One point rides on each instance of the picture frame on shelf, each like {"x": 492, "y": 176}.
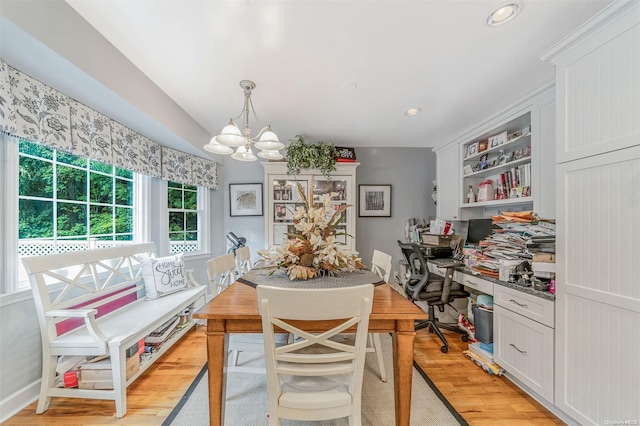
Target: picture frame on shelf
{"x": 467, "y": 169}
{"x": 483, "y": 145}
{"x": 245, "y": 199}
{"x": 472, "y": 149}
{"x": 515, "y": 135}
{"x": 282, "y": 213}
{"x": 374, "y": 200}
{"x": 497, "y": 140}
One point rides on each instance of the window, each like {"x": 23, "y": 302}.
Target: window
{"x": 182, "y": 204}
{"x": 68, "y": 203}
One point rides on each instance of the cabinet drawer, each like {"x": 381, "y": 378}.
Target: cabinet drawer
{"x": 474, "y": 282}
{"x": 530, "y": 306}
{"x": 524, "y": 348}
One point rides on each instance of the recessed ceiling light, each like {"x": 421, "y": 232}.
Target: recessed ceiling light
{"x": 413, "y": 111}
{"x": 503, "y": 14}
{"x": 349, "y": 86}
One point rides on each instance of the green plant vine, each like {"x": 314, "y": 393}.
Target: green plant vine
{"x": 321, "y": 156}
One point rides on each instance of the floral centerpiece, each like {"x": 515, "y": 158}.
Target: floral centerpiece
{"x": 312, "y": 250}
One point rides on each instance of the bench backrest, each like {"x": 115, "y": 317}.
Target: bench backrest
{"x": 104, "y": 279}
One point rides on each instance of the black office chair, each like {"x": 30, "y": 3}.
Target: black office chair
{"x": 433, "y": 289}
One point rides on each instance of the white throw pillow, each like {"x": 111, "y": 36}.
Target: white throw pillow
{"x": 163, "y": 275}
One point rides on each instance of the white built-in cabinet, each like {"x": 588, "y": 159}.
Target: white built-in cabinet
{"x": 523, "y": 332}
{"x": 527, "y": 148}
{"x": 597, "y": 340}
{"x": 447, "y": 178}
{"x": 282, "y": 197}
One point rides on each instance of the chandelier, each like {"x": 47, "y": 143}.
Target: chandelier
{"x": 232, "y": 137}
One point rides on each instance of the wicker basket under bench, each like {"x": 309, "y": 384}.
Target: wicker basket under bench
{"x": 103, "y": 291}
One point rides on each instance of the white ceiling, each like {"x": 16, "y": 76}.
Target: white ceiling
{"x": 305, "y": 55}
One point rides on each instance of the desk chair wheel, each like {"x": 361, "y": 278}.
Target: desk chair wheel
{"x": 465, "y": 338}
{"x": 444, "y": 349}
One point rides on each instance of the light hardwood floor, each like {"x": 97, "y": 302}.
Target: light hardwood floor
{"x": 480, "y": 398}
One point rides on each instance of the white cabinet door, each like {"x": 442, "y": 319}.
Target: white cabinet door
{"x": 524, "y": 348}
{"x": 283, "y": 197}
{"x": 598, "y": 204}
{"x": 448, "y": 181}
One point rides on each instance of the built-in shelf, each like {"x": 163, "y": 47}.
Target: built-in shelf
{"x": 499, "y": 168}
{"x": 507, "y": 201}
{"x": 507, "y": 164}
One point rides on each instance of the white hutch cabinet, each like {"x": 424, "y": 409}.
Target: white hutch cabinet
{"x": 282, "y": 197}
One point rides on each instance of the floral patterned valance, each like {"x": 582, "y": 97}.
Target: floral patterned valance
{"x": 32, "y": 110}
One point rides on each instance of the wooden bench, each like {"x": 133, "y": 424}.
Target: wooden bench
{"x": 92, "y": 303}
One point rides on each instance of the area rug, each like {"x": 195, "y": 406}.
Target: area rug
{"x": 246, "y": 403}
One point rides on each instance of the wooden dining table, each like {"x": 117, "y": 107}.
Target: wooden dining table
{"x": 235, "y": 310}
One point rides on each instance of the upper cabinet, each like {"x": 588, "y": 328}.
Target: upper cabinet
{"x": 283, "y": 196}
{"x": 506, "y": 162}
{"x": 448, "y": 183}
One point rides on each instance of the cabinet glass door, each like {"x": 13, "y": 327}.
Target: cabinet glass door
{"x": 285, "y": 199}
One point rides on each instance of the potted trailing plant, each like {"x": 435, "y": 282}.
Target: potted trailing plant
{"x": 321, "y": 156}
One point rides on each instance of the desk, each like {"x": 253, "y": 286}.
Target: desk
{"x": 235, "y": 310}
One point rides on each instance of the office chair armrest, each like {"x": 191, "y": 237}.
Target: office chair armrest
{"x": 446, "y": 286}
{"x": 447, "y": 263}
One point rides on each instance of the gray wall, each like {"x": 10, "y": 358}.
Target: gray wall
{"x": 410, "y": 171}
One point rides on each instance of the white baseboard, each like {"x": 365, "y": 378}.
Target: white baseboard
{"x": 546, "y": 404}
{"x": 19, "y": 400}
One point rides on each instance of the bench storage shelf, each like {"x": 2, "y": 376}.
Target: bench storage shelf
{"x": 92, "y": 303}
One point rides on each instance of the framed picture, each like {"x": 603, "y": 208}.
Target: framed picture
{"x": 497, "y": 140}
{"x": 245, "y": 199}
{"x": 472, "y": 149}
{"x": 374, "y": 200}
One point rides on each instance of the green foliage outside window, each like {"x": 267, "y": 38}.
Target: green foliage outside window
{"x": 65, "y": 196}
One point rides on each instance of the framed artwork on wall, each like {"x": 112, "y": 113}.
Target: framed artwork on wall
{"x": 374, "y": 201}
{"x": 245, "y": 199}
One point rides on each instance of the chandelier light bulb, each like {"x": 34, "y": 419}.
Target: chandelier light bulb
{"x": 231, "y": 136}
{"x": 244, "y": 153}
{"x": 269, "y": 141}
{"x": 216, "y": 148}
{"x": 270, "y": 155}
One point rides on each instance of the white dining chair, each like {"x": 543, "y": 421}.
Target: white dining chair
{"x": 381, "y": 265}
{"x": 243, "y": 260}
{"x": 314, "y": 377}
{"x": 221, "y": 271}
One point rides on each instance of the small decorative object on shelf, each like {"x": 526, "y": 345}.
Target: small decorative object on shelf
{"x": 472, "y": 149}
{"x": 312, "y": 250}
{"x": 482, "y": 164}
{"x": 485, "y": 190}
{"x": 346, "y": 155}
{"x": 471, "y": 196}
{"x": 497, "y": 140}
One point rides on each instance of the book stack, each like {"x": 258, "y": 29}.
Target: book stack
{"x": 482, "y": 355}
{"x": 158, "y": 336}
{"x": 543, "y": 252}
{"x": 520, "y": 237}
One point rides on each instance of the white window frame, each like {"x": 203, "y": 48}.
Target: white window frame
{"x": 204, "y": 219}
{"x": 10, "y": 291}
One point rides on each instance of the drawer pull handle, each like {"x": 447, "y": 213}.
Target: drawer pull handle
{"x": 519, "y": 304}
{"x": 516, "y": 348}
{"x": 470, "y": 283}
